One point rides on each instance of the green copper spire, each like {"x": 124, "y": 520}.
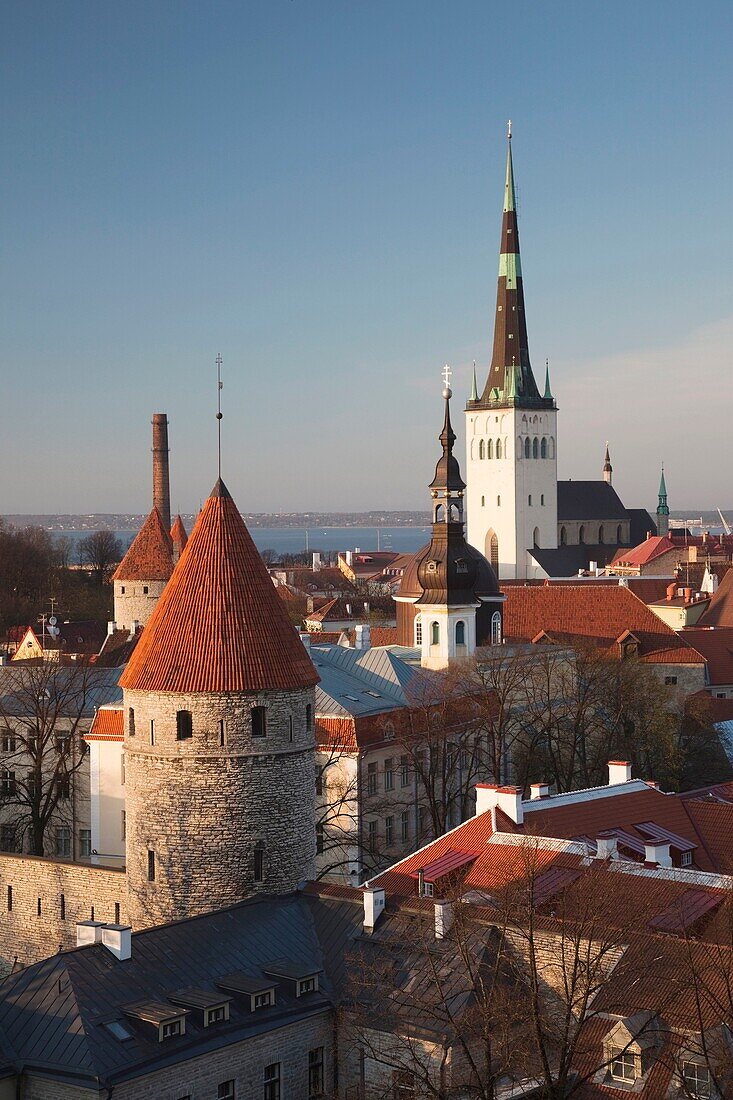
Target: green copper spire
{"x": 510, "y": 199}
{"x": 548, "y": 392}
{"x": 474, "y": 386}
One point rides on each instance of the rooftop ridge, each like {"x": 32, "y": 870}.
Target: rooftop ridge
{"x": 585, "y": 794}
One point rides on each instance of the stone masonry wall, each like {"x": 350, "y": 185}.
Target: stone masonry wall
{"x": 132, "y": 603}
{"x": 29, "y": 935}
{"x": 202, "y": 806}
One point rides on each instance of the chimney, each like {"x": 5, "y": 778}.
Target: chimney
{"x": 506, "y": 799}
{"x": 306, "y": 639}
{"x": 607, "y": 847}
{"x": 443, "y": 918}
{"x": 593, "y": 568}
{"x": 373, "y": 906}
{"x": 619, "y": 771}
{"x": 161, "y": 477}
{"x": 111, "y": 627}
{"x": 134, "y": 627}
{"x": 539, "y": 790}
{"x": 349, "y": 558}
{"x": 658, "y": 854}
{"x": 316, "y": 561}
{"x": 363, "y": 636}
{"x": 88, "y": 931}
{"x": 687, "y": 595}
{"x": 117, "y": 938}
{"x": 671, "y": 589}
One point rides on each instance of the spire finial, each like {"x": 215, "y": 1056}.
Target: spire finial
{"x": 474, "y": 384}
{"x": 509, "y": 130}
{"x": 219, "y": 413}
{"x": 447, "y": 374}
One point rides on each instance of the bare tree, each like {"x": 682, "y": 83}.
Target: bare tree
{"x": 42, "y": 709}
{"x": 100, "y": 550}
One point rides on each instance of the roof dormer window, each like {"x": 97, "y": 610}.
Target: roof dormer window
{"x": 302, "y": 976}
{"x": 169, "y": 1022}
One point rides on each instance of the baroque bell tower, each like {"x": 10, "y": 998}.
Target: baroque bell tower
{"x": 511, "y": 428}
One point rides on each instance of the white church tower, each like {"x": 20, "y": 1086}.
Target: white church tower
{"x": 511, "y": 429}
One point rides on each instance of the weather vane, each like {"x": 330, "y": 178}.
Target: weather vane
{"x": 219, "y": 414}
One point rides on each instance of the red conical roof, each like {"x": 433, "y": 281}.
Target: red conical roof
{"x": 178, "y": 533}
{"x": 150, "y": 557}
{"x": 219, "y": 625}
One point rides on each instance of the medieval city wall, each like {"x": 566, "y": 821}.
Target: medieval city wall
{"x": 42, "y": 899}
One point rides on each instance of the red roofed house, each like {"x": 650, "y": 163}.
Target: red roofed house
{"x": 656, "y": 556}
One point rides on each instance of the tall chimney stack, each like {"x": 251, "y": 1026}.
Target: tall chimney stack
{"x": 161, "y": 478}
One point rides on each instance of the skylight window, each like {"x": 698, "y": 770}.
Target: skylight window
{"x": 119, "y": 1030}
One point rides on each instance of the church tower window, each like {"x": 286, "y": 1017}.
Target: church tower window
{"x": 535, "y": 448}
{"x": 563, "y": 537}
{"x": 543, "y": 448}
{"x": 496, "y": 628}
{"x": 581, "y": 535}
{"x": 490, "y": 449}
{"x": 460, "y": 632}
{"x": 481, "y": 451}
{"x": 498, "y": 448}
{"x": 418, "y": 631}
{"x": 536, "y": 537}
{"x": 527, "y": 448}
{"x": 600, "y": 535}
{"x": 435, "y": 633}
{"x": 259, "y": 863}
{"x": 619, "y": 534}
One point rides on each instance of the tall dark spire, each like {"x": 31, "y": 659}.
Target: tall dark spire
{"x": 607, "y": 467}
{"x": 510, "y": 380}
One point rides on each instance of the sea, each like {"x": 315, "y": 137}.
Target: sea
{"x": 328, "y": 540}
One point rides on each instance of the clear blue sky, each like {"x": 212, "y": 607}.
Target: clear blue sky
{"x": 314, "y": 189}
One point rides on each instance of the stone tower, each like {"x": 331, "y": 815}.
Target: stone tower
{"x": 449, "y": 599}
{"x": 662, "y": 508}
{"x": 143, "y": 573}
{"x": 219, "y": 733}
{"x": 511, "y": 428}
{"x": 607, "y": 467}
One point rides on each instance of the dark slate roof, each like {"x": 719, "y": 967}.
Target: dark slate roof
{"x": 53, "y": 1014}
{"x": 595, "y": 500}
{"x": 567, "y": 560}
{"x": 641, "y": 523}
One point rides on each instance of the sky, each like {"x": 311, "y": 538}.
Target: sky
{"x": 314, "y": 190}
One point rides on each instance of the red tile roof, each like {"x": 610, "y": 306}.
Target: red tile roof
{"x": 178, "y": 534}
{"x": 150, "y": 558}
{"x": 646, "y": 551}
{"x": 108, "y": 725}
{"x": 219, "y": 625}
{"x": 599, "y": 614}
{"x": 716, "y": 647}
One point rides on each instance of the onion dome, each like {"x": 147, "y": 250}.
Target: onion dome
{"x": 219, "y": 625}
{"x": 150, "y": 557}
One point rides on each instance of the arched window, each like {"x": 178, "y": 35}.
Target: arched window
{"x": 460, "y": 632}
{"x": 535, "y": 447}
{"x": 600, "y": 535}
{"x": 551, "y": 448}
{"x": 435, "y": 633}
{"x": 536, "y": 537}
{"x": 581, "y": 535}
{"x": 529, "y": 500}
{"x": 483, "y": 502}
{"x": 455, "y": 513}
{"x": 490, "y": 449}
{"x": 563, "y": 537}
{"x": 619, "y": 534}
{"x": 498, "y": 448}
{"x": 542, "y": 500}
{"x": 498, "y": 502}
{"x": 439, "y": 513}
{"x": 496, "y": 628}
{"x": 527, "y": 448}
{"x": 481, "y": 448}
{"x": 543, "y": 448}
{"x": 418, "y": 630}
{"x": 492, "y": 550}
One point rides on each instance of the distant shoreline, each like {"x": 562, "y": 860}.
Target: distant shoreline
{"x": 61, "y": 523}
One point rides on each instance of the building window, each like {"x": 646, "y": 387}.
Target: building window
{"x": 171, "y": 1029}
{"x": 290, "y": 728}
{"x": 389, "y": 831}
{"x": 435, "y": 633}
{"x": 372, "y": 836}
{"x": 536, "y": 537}
{"x": 62, "y": 906}
{"x": 600, "y": 535}
{"x": 460, "y": 632}
{"x": 581, "y": 535}
{"x": 418, "y": 630}
{"x": 498, "y": 502}
{"x": 686, "y": 859}
{"x": 623, "y": 1065}
{"x": 63, "y": 841}
{"x": 130, "y": 722}
{"x": 308, "y": 718}
{"x": 319, "y": 839}
{"x": 563, "y": 537}
{"x": 272, "y": 1082}
{"x": 315, "y": 1073}
{"x": 619, "y": 534}
{"x": 216, "y": 1015}
{"x": 7, "y": 838}
{"x": 529, "y": 500}
{"x": 7, "y": 784}
{"x": 145, "y": 590}
{"x": 542, "y": 500}
{"x": 63, "y": 788}
{"x": 10, "y": 898}
{"x": 222, "y": 732}
{"x": 389, "y": 774}
{"x": 404, "y": 826}
{"x": 490, "y": 451}
{"x": 152, "y": 731}
{"x": 263, "y": 1000}
{"x": 259, "y": 721}
{"x": 259, "y": 863}
{"x": 8, "y": 742}
{"x": 483, "y": 502}
{"x": 389, "y": 731}
{"x": 496, "y": 628}
{"x": 117, "y": 912}
{"x": 225, "y": 1091}
{"x": 498, "y": 448}
{"x": 535, "y": 447}
{"x": 151, "y": 865}
{"x": 404, "y": 771}
{"x": 122, "y": 589}
{"x": 696, "y": 1080}
{"x": 372, "y": 778}
{"x": 527, "y": 446}
{"x": 670, "y": 680}
{"x": 39, "y": 908}
{"x": 184, "y": 725}
{"x": 85, "y": 843}
{"x": 481, "y": 449}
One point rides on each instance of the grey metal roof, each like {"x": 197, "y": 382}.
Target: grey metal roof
{"x": 101, "y": 686}
{"x": 358, "y": 682}
{"x": 54, "y": 1014}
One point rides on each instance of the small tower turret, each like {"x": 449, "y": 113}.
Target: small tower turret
{"x": 607, "y": 467}
{"x": 662, "y": 507}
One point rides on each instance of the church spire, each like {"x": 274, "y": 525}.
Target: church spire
{"x": 511, "y": 346}
{"x": 607, "y": 467}
{"x": 662, "y": 507}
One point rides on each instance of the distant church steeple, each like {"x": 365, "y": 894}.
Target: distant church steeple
{"x": 662, "y": 507}
{"x": 607, "y": 467}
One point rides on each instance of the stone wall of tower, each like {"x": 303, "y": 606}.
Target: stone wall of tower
{"x": 511, "y": 496}
{"x": 133, "y": 603}
{"x": 202, "y": 807}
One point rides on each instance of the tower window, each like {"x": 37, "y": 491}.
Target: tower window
{"x": 184, "y": 725}
{"x": 122, "y": 590}
{"x": 483, "y": 502}
{"x": 490, "y": 449}
{"x": 529, "y": 500}
{"x": 290, "y": 728}
{"x": 152, "y": 731}
{"x": 481, "y": 449}
{"x": 222, "y": 732}
{"x": 527, "y": 447}
{"x": 498, "y": 502}
{"x": 498, "y": 448}
{"x": 151, "y": 865}
{"x": 563, "y": 537}
{"x": 600, "y": 534}
{"x": 460, "y": 632}
{"x": 535, "y": 447}
{"x": 259, "y": 721}
{"x": 145, "y": 590}
{"x": 619, "y": 534}
{"x": 130, "y": 722}
{"x": 536, "y": 537}
{"x": 259, "y": 863}
{"x": 542, "y": 499}
{"x": 496, "y": 628}
{"x": 581, "y": 535}
{"x": 308, "y": 717}
{"x": 543, "y": 448}
{"x": 435, "y": 633}
{"x": 418, "y": 631}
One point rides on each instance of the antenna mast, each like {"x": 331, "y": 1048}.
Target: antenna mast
{"x": 219, "y": 414}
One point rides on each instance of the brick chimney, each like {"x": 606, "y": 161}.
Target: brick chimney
{"x": 161, "y": 478}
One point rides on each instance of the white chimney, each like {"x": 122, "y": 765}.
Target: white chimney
{"x": 619, "y": 771}
{"x": 134, "y": 627}
{"x": 88, "y": 931}
{"x": 506, "y": 799}
{"x": 117, "y": 938}
{"x": 305, "y": 639}
{"x": 349, "y": 558}
{"x": 593, "y": 568}
{"x": 607, "y": 847}
{"x": 373, "y": 906}
{"x": 539, "y": 790}
{"x": 316, "y": 561}
{"x": 443, "y": 918}
{"x": 659, "y": 854}
{"x": 111, "y": 627}
{"x": 363, "y": 638}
